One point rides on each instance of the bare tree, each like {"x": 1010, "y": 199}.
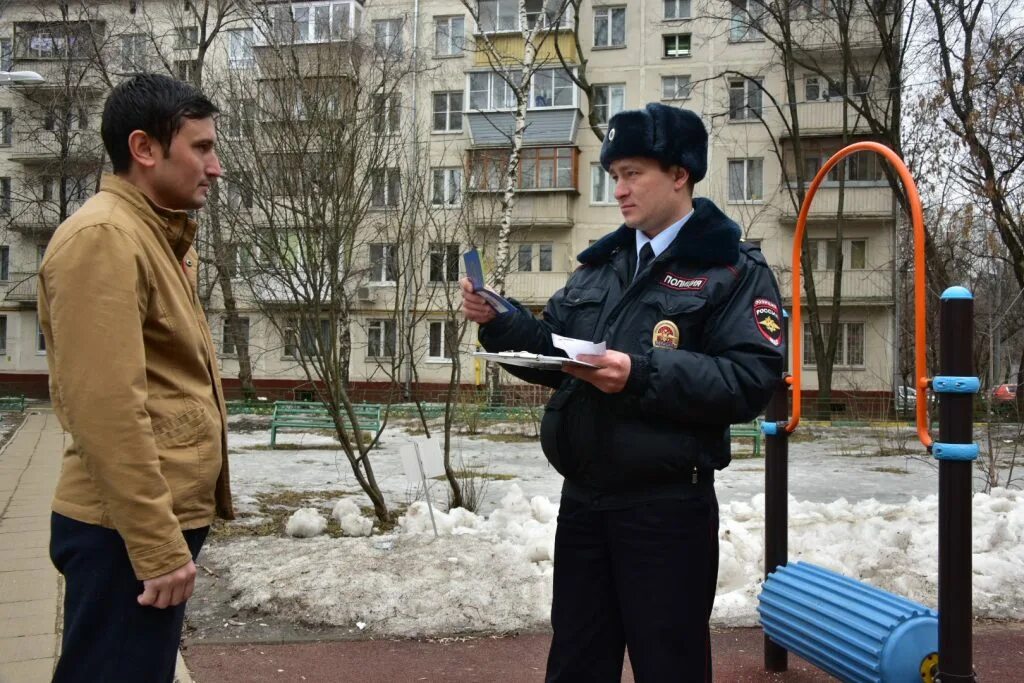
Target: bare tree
{"x": 314, "y": 155}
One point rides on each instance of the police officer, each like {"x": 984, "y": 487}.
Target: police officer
{"x": 692, "y": 321}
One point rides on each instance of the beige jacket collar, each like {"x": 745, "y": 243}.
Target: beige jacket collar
{"x": 177, "y": 227}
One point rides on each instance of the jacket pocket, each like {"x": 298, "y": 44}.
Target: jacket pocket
{"x": 584, "y": 310}
{"x": 181, "y": 429}
{"x": 560, "y": 436}
{"x": 183, "y": 443}
{"x": 686, "y": 313}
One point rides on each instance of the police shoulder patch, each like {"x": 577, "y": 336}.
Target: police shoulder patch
{"x": 768, "y": 320}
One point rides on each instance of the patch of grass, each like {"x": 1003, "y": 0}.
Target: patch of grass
{"x": 507, "y": 438}
{"x": 889, "y": 470}
{"x": 296, "y": 447}
{"x": 747, "y": 455}
{"x": 493, "y": 476}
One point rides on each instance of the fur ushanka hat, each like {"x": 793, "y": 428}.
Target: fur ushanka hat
{"x": 668, "y": 134}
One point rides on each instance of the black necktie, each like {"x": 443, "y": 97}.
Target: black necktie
{"x": 646, "y": 256}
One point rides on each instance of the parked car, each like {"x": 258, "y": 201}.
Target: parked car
{"x": 1005, "y": 393}
{"x": 906, "y": 399}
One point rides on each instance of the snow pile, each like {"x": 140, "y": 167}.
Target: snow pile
{"x": 305, "y": 523}
{"x": 350, "y": 518}
{"x": 493, "y": 573}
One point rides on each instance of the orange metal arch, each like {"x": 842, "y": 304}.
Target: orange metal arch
{"x": 917, "y": 218}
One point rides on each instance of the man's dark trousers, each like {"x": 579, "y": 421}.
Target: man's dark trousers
{"x": 641, "y": 577}
{"x": 108, "y": 636}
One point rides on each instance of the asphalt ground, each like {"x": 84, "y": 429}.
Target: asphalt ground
{"x": 998, "y": 656}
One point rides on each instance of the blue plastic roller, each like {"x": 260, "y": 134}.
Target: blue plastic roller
{"x": 855, "y": 632}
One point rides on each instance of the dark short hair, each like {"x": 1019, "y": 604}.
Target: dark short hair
{"x": 153, "y": 103}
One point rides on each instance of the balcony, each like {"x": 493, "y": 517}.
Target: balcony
{"x": 858, "y": 287}
{"x": 872, "y": 201}
{"x": 46, "y": 146}
{"x": 511, "y": 48}
{"x": 543, "y": 126}
{"x": 534, "y": 289}
{"x": 23, "y": 287}
{"x": 826, "y": 118}
{"x": 540, "y": 209}
{"x": 821, "y": 34}
{"x": 40, "y": 219}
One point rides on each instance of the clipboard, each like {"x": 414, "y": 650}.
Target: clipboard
{"x": 532, "y": 360}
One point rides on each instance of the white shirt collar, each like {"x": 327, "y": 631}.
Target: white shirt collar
{"x": 662, "y": 239}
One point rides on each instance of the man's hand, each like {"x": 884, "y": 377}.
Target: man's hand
{"x": 610, "y": 377}
{"x": 474, "y": 306}
{"x": 171, "y": 589}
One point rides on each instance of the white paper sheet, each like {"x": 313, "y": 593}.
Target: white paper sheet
{"x": 575, "y": 347}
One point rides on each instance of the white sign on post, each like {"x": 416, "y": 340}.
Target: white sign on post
{"x": 421, "y": 460}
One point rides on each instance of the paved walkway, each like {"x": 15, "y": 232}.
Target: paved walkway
{"x": 31, "y": 590}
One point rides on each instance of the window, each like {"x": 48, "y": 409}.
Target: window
{"x": 675, "y": 87}
{"x": 40, "y": 339}
{"x": 609, "y": 26}
{"x": 383, "y": 262}
{"x": 386, "y": 114}
{"x": 241, "y": 114}
{"x": 745, "y": 100}
{"x": 387, "y": 35}
{"x": 609, "y": 100}
{"x": 820, "y": 89}
{"x": 524, "y": 257}
{"x": 186, "y": 69}
{"x": 602, "y": 187}
{"x": 488, "y": 90}
{"x": 238, "y": 194}
{"x": 444, "y": 262}
{"x": 381, "y": 336}
{"x": 186, "y": 37}
{"x": 543, "y": 168}
{"x": 849, "y": 345}
{"x": 503, "y": 15}
{"x": 745, "y": 180}
{"x": 677, "y": 45}
{"x": 385, "y": 187}
{"x": 447, "y": 112}
{"x": 745, "y": 21}
{"x": 231, "y": 344}
{"x": 134, "y": 47}
{"x": 6, "y": 127}
{"x": 76, "y": 190}
{"x": 5, "y": 196}
{"x": 449, "y": 36}
{"x": 312, "y": 337}
{"x": 70, "y": 118}
{"x": 677, "y": 9}
{"x": 240, "y": 48}
{"x": 6, "y": 54}
{"x": 540, "y": 168}
{"x": 863, "y": 167}
{"x": 240, "y": 260}
{"x": 552, "y": 88}
{"x": 447, "y": 187}
{"x": 315, "y": 22}
{"x": 443, "y": 340}
{"x": 5, "y": 263}
{"x": 823, "y": 254}
{"x": 3, "y": 335}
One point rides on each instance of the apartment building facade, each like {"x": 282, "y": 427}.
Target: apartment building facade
{"x": 457, "y": 112}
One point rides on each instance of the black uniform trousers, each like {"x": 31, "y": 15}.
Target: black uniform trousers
{"x": 108, "y": 636}
{"x": 643, "y": 578}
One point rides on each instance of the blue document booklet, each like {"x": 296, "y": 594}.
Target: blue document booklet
{"x": 475, "y": 273}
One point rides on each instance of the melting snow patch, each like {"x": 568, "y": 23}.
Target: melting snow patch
{"x": 305, "y": 523}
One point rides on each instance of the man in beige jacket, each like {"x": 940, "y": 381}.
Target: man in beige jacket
{"x": 134, "y": 380}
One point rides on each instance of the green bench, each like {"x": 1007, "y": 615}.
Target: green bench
{"x": 306, "y": 415}
{"x": 748, "y": 429}
{"x": 12, "y": 404}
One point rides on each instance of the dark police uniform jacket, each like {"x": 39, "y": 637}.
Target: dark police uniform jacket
{"x": 703, "y": 329}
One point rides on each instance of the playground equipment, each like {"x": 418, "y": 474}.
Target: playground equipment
{"x": 856, "y": 632}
